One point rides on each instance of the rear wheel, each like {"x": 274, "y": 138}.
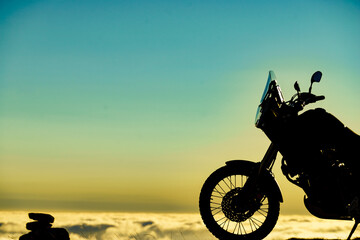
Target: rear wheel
{"x": 230, "y": 212}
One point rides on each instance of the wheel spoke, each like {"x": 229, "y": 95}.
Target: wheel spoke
{"x": 220, "y": 193}
{"x": 257, "y": 220}
{"x": 216, "y": 196}
{"x": 221, "y": 220}
{"x": 221, "y": 188}
{"x": 215, "y": 208}
{"x": 243, "y": 180}
{"x": 262, "y": 213}
{"x": 251, "y": 225}
{"x": 232, "y": 186}
{"x": 257, "y": 223}
{"x": 217, "y": 212}
{"x": 227, "y": 228}
{"x": 262, "y": 210}
{"x": 235, "y": 228}
{"x": 243, "y": 228}
{"x": 227, "y": 184}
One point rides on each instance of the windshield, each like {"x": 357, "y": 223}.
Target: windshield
{"x": 271, "y": 77}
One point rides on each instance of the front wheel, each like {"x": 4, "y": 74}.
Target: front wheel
{"x": 230, "y": 213}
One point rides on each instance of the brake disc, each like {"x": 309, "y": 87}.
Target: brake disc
{"x": 237, "y": 206}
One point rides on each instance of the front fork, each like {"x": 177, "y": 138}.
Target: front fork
{"x": 268, "y": 160}
{"x": 266, "y": 165}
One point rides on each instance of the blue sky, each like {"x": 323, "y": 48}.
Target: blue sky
{"x": 158, "y": 92}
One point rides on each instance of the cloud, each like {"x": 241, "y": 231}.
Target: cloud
{"x": 123, "y": 226}
{"x": 146, "y": 223}
{"x": 149, "y": 226}
{"x": 88, "y": 231}
{"x": 10, "y": 228}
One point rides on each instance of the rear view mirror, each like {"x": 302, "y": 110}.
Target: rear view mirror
{"x": 297, "y": 87}
{"x": 316, "y": 77}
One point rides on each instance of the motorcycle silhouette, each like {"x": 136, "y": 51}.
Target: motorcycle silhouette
{"x": 241, "y": 200}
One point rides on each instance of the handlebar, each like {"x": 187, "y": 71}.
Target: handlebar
{"x": 301, "y": 99}
{"x": 318, "y": 98}
{"x": 305, "y": 99}
{"x": 312, "y": 98}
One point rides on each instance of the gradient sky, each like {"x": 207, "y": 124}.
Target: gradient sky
{"x": 130, "y": 105}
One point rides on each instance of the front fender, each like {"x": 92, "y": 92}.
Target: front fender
{"x": 268, "y": 179}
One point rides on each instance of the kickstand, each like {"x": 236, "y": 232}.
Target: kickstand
{"x": 354, "y": 228}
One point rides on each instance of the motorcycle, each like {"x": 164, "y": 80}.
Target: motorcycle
{"x": 241, "y": 200}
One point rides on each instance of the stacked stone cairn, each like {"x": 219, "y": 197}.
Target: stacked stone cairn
{"x": 41, "y": 228}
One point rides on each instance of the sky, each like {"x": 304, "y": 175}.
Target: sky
{"x": 130, "y": 105}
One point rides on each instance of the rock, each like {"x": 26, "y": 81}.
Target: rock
{"x": 33, "y": 226}
{"x": 40, "y": 229}
{"x": 42, "y": 217}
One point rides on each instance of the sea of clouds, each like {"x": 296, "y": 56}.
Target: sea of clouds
{"x": 160, "y": 226}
